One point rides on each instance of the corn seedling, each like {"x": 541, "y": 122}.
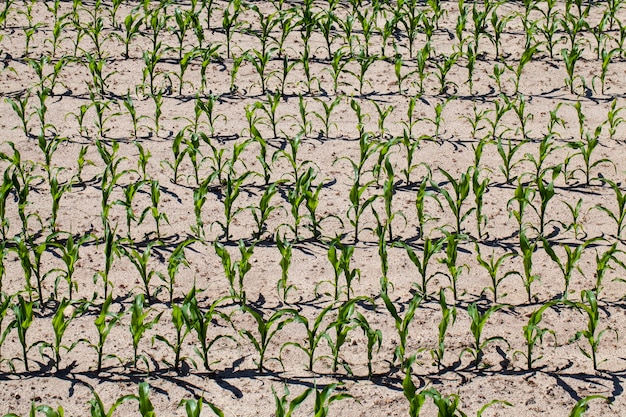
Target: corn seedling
{"x": 19, "y": 104}
{"x": 570, "y": 58}
{"x": 507, "y": 154}
{"x": 448, "y": 317}
{"x": 182, "y": 330}
{"x": 262, "y": 212}
{"x": 492, "y": 266}
{"x": 450, "y": 261}
{"x": 314, "y": 334}
{"x": 525, "y": 58}
{"x": 236, "y": 270}
{"x": 589, "y": 306}
{"x": 272, "y": 119}
{"x": 69, "y": 255}
{"x": 421, "y": 63}
{"x": 416, "y": 399}
{"x": 199, "y": 321}
{"x": 613, "y": 120}
{"x": 400, "y": 77}
{"x": 230, "y": 192}
{"x": 527, "y": 248}
{"x": 585, "y": 149}
{"x": 325, "y": 397}
{"x": 402, "y": 323}
{"x": 140, "y": 261}
{"x": 430, "y": 248}
{"x": 479, "y": 188}
{"x": 60, "y": 323}
{"x": 193, "y": 407}
{"x": 111, "y": 249}
{"x": 339, "y": 256}
{"x": 282, "y": 287}
{"x": 286, "y": 408}
{"x": 603, "y": 265}
{"x": 153, "y": 209}
{"x": 23, "y": 313}
{"x": 374, "y": 339}
{"x": 139, "y": 324}
{"x": 479, "y": 319}
{"x": 342, "y": 325}
{"x": 23, "y": 248}
{"x": 325, "y": 116}
{"x": 357, "y": 190}
{"x": 146, "y": 409}
{"x": 546, "y": 192}
{"x": 266, "y": 329}
{"x": 461, "y": 188}
{"x": 534, "y": 333}
{"x": 573, "y": 255}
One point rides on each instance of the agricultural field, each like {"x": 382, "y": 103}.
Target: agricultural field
{"x": 327, "y": 208}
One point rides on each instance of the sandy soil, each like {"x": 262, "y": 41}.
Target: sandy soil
{"x": 561, "y": 375}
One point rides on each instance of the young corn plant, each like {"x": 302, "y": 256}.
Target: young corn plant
{"x": 420, "y": 204}
{"x": 619, "y": 214}
{"x": 285, "y": 248}
{"x": 387, "y": 196}
{"x": 603, "y": 265}
{"x": 325, "y": 397}
{"x": 340, "y": 255}
{"x": 534, "y": 333}
{"x": 236, "y": 270}
{"x": 527, "y": 248}
{"x": 448, "y": 317}
{"x": 230, "y": 192}
{"x": 402, "y": 323}
{"x": 104, "y": 322}
{"x": 431, "y": 247}
{"x": 285, "y": 407}
{"x": 357, "y": 190}
{"x": 344, "y": 322}
{"x": 571, "y": 56}
{"x": 140, "y": 260}
{"x": 70, "y": 256}
{"x": 613, "y": 120}
{"x": 267, "y": 329}
{"x": 314, "y": 335}
{"x": 324, "y": 117}
{"x": 589, "y": 306}
{"x": 193, "y": 407}
{"x": 585, "y": 149}
{"x": 546, "y": 192}
{"x": 479, "y": 188}
{"x": 573, "y": 255}
{"x": 176, "y": 259}
{"x": 182, "y": 330}
{"x": 262, "y": 212}
{"x": 23, "y": 313}
{"x": 547, "y": 147}
{"x": 199, "y": 321}
{"x": 450, "y": 261}
{"x": 139, "y": 323}
{"x": 461, "y": 188}
{"x": 479, "y": 319}
{"x": 60, "y": 323}
{"x": 492, "y": 266}
{"x": 416, "y": 399}
{"x": 582, "y": 405}
{"x": 158, "y": 215}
